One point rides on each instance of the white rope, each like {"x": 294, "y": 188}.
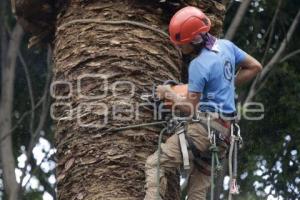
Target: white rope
{"x": 232, "y": 139}
{"x": 208, "y": 129}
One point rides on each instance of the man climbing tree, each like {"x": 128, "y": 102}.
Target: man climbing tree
{"x": 211, "y": 91}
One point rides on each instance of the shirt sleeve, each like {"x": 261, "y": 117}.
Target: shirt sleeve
{"x": 239, "y": 54}
{"x": 198, "y": 77}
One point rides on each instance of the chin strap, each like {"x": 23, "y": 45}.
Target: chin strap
{"x": 206, "y": 39}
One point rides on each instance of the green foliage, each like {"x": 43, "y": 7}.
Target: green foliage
{"x": 270, "y": 157}
{"x": 33, "y": 195}
{"x": 272, "y": 143}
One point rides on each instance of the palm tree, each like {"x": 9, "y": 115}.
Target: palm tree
{"x": 97, "y": 44}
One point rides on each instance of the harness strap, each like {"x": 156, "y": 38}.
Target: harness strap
{"x": 216, "y": 127}
{"x": 201, "y": 162}
{"x": 183, "y": 146}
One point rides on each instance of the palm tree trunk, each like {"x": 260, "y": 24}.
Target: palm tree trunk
{"x": 92, "y": 164}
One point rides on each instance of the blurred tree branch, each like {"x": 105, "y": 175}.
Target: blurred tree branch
{"x": 38, "y": 172}
{"x": 6, "y": 106}
{"x": 282, "y": 47}
{"x": 272, "y": 29}
{"x": 30, "y": 90}
{"x": 290, "y": 55}
{"x": 237, "y": 19}
{"x": 261, "y": 79}
{"x": 43, "y": 116}
{"x": 23, "y": 116}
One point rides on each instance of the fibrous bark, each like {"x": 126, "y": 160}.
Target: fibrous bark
{"x": 111, "y": 166}
{"x": 39, "y": 17}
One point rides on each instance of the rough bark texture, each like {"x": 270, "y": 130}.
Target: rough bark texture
{"x": 6, "y": 105}
{"x": 39, "y": 17}
{"x": 112, "y": 166}
{"x": 214, "y": 10}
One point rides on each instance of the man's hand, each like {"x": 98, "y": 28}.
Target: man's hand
{"x": 249, "y": 68}
{"x": 186, "y": 104}
{"x": 162, "y": 90}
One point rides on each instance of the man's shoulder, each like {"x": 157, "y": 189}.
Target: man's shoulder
{"x": 225, "y": 42}
{"x": 206, "y": 59}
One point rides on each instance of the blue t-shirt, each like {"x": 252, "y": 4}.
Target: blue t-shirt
{"x": 212, "y": 73}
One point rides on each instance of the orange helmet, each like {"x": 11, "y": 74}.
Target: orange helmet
{"x": 187, "y": 23}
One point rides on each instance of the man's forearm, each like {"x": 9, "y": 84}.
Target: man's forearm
{"x": 244, "y": 75}
{"x": 249, "y": 68}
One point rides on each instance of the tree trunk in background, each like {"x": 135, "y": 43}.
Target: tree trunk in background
{"x": 91, "y": 167}
{"x": 8, "y": 64}
{"x": 92, "y": 164}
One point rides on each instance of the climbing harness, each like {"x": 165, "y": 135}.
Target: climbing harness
{"x": 158, "y": 162}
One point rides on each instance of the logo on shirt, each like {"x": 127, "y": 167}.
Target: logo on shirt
{"x": 228, "y": 70}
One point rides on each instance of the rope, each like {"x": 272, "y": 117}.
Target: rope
{"x": 230, "y": 163}
{"x": 118, "y": 22}
{"x": 212, "y": 185}
{"x": 235, "y": 158}
{"x": 213, "y": 149}
{"x": 158, "y": 162}
{"x": 235, "y": 139}
{"x": 210, "y": 137}
{"x": 215, "y": 164}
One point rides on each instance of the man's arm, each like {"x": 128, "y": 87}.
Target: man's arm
{"x": 248, "y": 69}
{"x": 188, "y": 105}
